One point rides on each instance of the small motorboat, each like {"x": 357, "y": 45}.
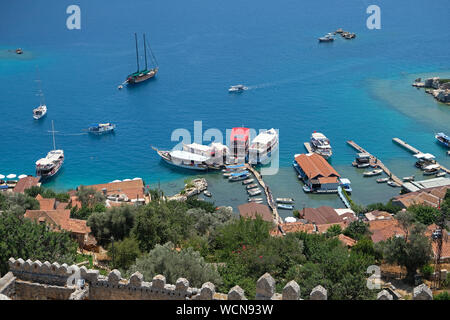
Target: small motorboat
{"x": 254, "y": 192}
{"x": 441, "y": 174}
{"x": 407, "y": 179}
{"x": 327, "y": 38}
{"x": 363, "y": 165}
{"x": 19, "y": 51}
{"x": 382, "y": 180}
{"x": 372, "y": 173}
{"x": 431, "y": 169}
{"x": 207, "y": 193}
{"x": 248, "y": 181}
{"x": 306, "y": 188}
{"x": 102, "y": 128}
{"x": 251, "y": 186}
{"x": 39, "y": 112}
{"x": 285, "y": 206}
{"x": 238, "y": 177}
{"x": 284, "y": 200}
{"x": 393, "y": 183}
{"x": 255, "y": 200}
{"x": 237, "y": 88}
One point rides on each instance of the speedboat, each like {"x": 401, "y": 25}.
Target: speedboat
{"x": 441, "y": 174}
{"x": 237, "y": 88}
{"x": 238, "y": 176}
{"x": 372, "y": 173}
{"x": 443, "y": 139}
{"x": 327, "y": 38}
{"x": 258, "y": 200}
{"x": 39, "y": 112}
{"x": 254, "y": 192}
{"x": 407, "y": 179}
{"x": 102, "y": 128}
{"x": 321, "y": 145}
{"x": 251, "y": 186}
{"x": 247, "y": 181}
{"x": 207, "y": 193}
{"x": 383, "y": 180}
{"x": 19, "y": 51}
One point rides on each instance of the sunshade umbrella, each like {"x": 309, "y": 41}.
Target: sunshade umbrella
{"x": 137, "y": 178}
{"x": 11, "y": 176}
{"x": 2, "y": 176}
{"x": 22, "y": 176}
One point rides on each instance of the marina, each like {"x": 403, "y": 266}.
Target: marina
{"x": 376, "y": 162}
{"x": 416, "y": 152}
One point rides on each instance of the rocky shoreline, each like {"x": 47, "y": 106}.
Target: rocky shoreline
{"x": 438, "y": 88}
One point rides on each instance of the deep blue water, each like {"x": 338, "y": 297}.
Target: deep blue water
{"x": 358, "y": 89}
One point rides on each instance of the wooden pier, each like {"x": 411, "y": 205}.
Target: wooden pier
{"x": 375, "y": 161}
{"x": 271, "y": 202}
{"x": 410, "y": 148}
{"x": 308, "y": 147}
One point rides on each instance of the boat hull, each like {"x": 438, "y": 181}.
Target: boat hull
{"x": 142, "y": 77}
{"x": 184, "y": 166}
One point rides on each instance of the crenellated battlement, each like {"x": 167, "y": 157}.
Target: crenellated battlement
{"x": 37, "y": 280}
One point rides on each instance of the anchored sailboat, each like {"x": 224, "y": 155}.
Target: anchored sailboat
{"x": 146, "y": 73}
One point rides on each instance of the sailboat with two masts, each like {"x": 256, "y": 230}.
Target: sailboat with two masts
{"x": 49, "y": 166}
{"x": 40, "y": 111}
{"x": 146, "y": 73}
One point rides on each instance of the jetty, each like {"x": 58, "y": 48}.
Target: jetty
{"x": 413, "y": 150}
{"x": 308, "y": 147}
{"x": 270, "y": 200}
{"x": 374, "y": 161}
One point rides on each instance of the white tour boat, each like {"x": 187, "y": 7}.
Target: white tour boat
{"x": 49, "y": 166}
{"x": 237, "y": 88}
{"x": 263, "y": 146}
{"x": 321, "y": 145}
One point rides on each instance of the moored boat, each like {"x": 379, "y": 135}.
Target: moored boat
{"x": 238, "y": 176}
{"x": 254, "y": 192}
{"x": 372, "y": 173}
{"x": 247, "y": 181}
{"x": 183, "y": 159}
{"x": 207, "y": 193}
{"x": 50, "y": 165}
{"x": 39, "y": 112}
{"x": 251, "y": 186}
{"x": 383, "y": 180}
{"x": 407, "y": 179}
{"x": 263, "y": 146}
{"x": 431, "y": 169}
{"x": 255, "y": 200}
{"x": 441, "y": 174}
{"x": 393, "y": 183}
{"x": 285, "y": 200}
{"x": 146, "y": 73}
{"x": 285, "y": 206}
{"x": 321, "y": 145}
{"x": 327, "y": 38}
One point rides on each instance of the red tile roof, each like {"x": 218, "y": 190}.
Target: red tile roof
{"x": 429, "y": 196}
{"x": 251, "y": 209}
{"x": 315, "y": 166}
{"x": 294, "y": 227}
{"x": 321, "y": 215}
{"x": 445, "y": 251}
{"x": 322, "y": 228}
{"x": 26, "y": 183}
{"x": 349, "y": 242}
{"x": 46, "y": 203}
{"x": 385, "y": 229}
{"x": 59, "y": 218}
{"x": 133, "y": 189}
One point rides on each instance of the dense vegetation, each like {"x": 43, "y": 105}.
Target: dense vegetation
{"x": 197, "y": 241}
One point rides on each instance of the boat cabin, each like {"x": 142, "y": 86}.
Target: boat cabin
{"x": 239, "y": 144}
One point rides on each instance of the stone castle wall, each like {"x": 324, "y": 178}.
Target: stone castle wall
{"x": 37, "y": 280}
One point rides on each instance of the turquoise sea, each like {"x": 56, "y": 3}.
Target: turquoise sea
{"x": 351, "y": 89}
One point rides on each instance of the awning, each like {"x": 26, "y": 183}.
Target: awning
{"x": 426, "y": 156}
{"x": 432, "y": 166}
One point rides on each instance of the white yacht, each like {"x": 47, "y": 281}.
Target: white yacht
{"x": 237, "y": 88}
{"x": 40, "y": 111}
{"x": 101, "y": 128}
{"x": 263, "y": 146}
{"x": 321, "y": 145}
{"x": 49, "y": 166}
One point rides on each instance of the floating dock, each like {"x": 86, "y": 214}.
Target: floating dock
{"x": 410, "y": 148}
{"x": 376, "y": 161}
{"x": 270, "y": 201}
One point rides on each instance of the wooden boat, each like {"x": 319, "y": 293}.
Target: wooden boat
{"x": 251, "y": 186}
{"x": 238, "y": 176}
{"x": 383, "y": 180}
{"x": 146, "y": 73}
{"x": 247, "y": 181}
{"x": 284, "y": 200}
{"x": 285, "y": 206}
{"x": 410, "y": 178}
{"x": 441, "y": 174}
{"x": 101, "y": 128}
{"x": 372, "y": 173}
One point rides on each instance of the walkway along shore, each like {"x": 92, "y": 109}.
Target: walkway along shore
{"x": 376, "y": 161}
{"x": 414, "y": 150}
{"x": 271, "y": 202}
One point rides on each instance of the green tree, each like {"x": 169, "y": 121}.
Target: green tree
{"x": 424, "y": 214}
{"x": 117, "y": 222}
{"x": 357, "y": 229}
{"x": 89, "y": 197}
{"x": 187, "y": 263}
{"x": 124, "y": 252}
{"x": 17, "y": 203}
{"x": 22, "y": 238}
{"x": 334, "y": 230}
{"x": 412, "y": 252}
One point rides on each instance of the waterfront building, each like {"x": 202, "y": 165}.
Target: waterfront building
{"x": 317, "y": 174}
{"x": 126, "y": 191}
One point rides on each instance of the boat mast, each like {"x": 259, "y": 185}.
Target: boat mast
{"x": 41, "y": 94}
{"x": 145, "y": 52}
{"x": 137, "y": 52}
{"x": 53, "y": 132}
{"x": 152, "y": 56}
